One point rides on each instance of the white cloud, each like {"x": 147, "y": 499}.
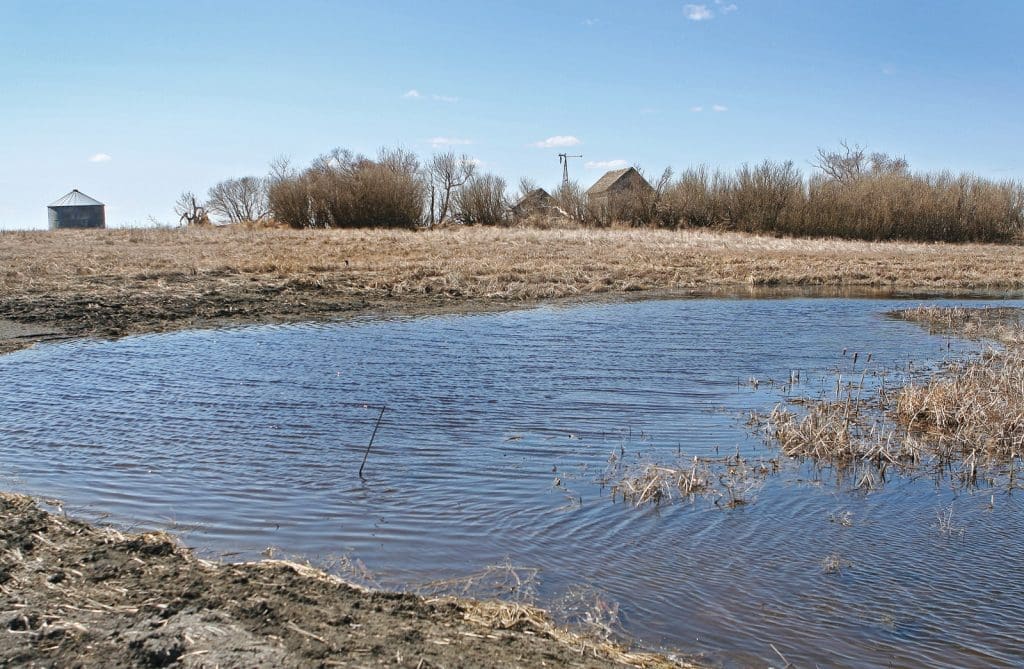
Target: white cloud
{"x": 557, "y": 141}
{"x": 412, "y": 93}
{"x": 591, "y": 22}
{"x": 448, "y": 141}
{"x": 697, "y": 12}
{"x": 697, "y": 109}
{"x": 719, "y": 108}
{"x": 726, "y": 7}
{"x": 605, "y": 164}
{"x": 444, "y": 98}
{"x": 101, "y": 158}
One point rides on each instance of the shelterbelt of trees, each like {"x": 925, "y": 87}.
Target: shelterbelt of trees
{"x": 850, "y": 193}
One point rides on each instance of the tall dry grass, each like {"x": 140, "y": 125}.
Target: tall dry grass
{"x": 967, "y": 420}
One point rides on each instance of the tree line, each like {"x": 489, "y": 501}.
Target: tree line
{"x": 849, "y": 193}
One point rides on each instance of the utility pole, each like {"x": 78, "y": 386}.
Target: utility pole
{"x": 563, "y": 160}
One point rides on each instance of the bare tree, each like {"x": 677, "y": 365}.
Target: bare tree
{"x": 526, "y": 186}
{"x": 238, "y": 200}
{"x": 482, "y": 201}
{"x": 883, "y": 163}
{"x": 190, "y": 211}
{"x": 447, "y": 173}
{"x": 844, "y": 165}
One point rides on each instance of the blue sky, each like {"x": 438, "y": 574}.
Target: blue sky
{"x": 134, "y": 102}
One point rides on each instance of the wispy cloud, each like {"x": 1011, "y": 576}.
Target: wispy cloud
{"x": 697, "y": 12}
{"x": 719, "y": 108}
{"x": 888, "y": 70}
{"x": 448, "y": 141}
{"x": 696, "y": 110}
{"x": 416, "y": 94}
{"x": 591, "y": 22}
{"x": 558, "y": 141}
{"x": 706, "y": 13}
{"x": 100, "y": 158}
{"x": 605, "y": 164}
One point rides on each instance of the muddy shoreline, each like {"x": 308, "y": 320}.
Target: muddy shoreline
{"x": 74, "y": 594}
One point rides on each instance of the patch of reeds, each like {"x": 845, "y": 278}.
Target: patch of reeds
{"x": 729, "y": 481}
{"x": 966, "y": 420}
{"x": 1001, "y": 324}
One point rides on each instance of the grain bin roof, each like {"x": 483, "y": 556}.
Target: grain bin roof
{"x": 76, "y": 198}
{"x": 608, "y": 180}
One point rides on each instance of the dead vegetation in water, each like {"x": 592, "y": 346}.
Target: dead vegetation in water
{"x": 965, "y": 421}
{"x": 728, "y": 481}
{"x": 1000, "y": 324}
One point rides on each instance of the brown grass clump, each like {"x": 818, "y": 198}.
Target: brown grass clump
{"x": 1001, "y": 324}
{"x": 967, "y": 419}
{"x": 729, "y": 480}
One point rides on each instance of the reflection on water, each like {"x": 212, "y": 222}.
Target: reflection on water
{"x": 242, "y": 439}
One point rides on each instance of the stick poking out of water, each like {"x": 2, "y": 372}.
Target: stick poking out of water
{"x": 370, "y": 445}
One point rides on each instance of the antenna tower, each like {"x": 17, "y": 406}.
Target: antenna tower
{"x": 563, "y": 160}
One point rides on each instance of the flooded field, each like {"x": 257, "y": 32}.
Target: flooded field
{"x": 495, "y": 448}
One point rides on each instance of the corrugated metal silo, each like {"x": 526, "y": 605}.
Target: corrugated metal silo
{"x": 76, "y": 210}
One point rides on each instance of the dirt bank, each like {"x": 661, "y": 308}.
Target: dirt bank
{"x": 72, "y": 594}
{"x": 110, "y": 283}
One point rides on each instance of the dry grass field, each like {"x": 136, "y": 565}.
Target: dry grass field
{"x": 115, "y": 282}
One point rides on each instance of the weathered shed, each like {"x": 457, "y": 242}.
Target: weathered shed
{"x": 624, "y": 183}
{"x": 536, "y": 202}
{"x": 76, "y": 210}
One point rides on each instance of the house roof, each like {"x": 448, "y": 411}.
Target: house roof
{"x": 534, "y": 196}
{"x": 609, "y": 179}
{"x": 76, "y": 198}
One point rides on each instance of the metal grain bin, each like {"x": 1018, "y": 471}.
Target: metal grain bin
{"x": 76, "y": 210}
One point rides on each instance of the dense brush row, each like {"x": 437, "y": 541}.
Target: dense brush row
{"x": 850, "y": 194}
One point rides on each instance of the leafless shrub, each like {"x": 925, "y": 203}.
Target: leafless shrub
{"x": 482, "y": 201}
{"x": 447, "y": 174}
{"x": 763, "y": 198}
{"x": 572, "y": 199}
{"x": 345, "y": 190}
{"x": 239, "y": 200}
{"x": 191, "y": 211}
{"x": 695, "y": 199}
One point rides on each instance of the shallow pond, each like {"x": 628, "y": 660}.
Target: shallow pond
{"x": 497, "y": 433}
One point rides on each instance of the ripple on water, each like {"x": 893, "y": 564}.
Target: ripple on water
{"x": 245, "y": 438}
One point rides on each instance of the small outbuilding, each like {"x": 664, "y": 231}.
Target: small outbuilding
{"x": 617, "y": 188}
{"x": 537, "y": 202}
{"x": 76, "y": 210}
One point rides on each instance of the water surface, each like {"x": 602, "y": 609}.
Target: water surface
{"x": 248, "y": 438}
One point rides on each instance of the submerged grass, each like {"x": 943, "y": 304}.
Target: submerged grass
{"x": 729, "y": 481}
{"x": 966, "y": 420}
